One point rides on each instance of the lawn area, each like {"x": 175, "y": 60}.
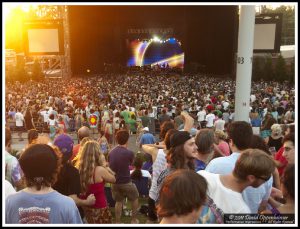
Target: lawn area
{"x": 127, "y": 219}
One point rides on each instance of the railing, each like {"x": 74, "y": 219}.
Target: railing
{"x": 54, "y": 68}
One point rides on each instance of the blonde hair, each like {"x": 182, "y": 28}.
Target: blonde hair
{"x": 76, "y": 159}
{"x": 220, "y": 134}
{"x": 276, "y": 129}
{"x": 90, "y": 158}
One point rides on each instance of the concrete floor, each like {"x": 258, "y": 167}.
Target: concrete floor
{"x": 19, "y": 145}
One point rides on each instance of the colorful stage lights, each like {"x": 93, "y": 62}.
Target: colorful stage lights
{"x": 157, "y": 39}
{"x": 156, "y": 51}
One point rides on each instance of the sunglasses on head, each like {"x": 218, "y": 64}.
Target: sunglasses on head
{"x": 264, "y": 178}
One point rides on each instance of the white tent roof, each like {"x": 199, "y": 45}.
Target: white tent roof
{"x": 287, "y": 51}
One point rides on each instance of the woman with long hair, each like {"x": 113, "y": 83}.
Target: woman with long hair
{"x": 93, "y": 175}
{"x": 76, "y": 159}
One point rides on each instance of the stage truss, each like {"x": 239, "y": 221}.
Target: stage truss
{"x": 55, "y": 65}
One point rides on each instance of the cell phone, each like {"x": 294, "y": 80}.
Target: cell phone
{"x": 272, "y": 150}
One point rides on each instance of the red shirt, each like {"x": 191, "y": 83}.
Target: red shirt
{"x": 210, "y": 107}
{"x": 98, "y": 190}
{"x": 75, "y": 151}
{"x": 278, "y": 157}
{"x": 213, "y": 100}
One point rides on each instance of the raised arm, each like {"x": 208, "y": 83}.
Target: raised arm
{"x": 151, "y": 149}
{"x": 188, "y": 121}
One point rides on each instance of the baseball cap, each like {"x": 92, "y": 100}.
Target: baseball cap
{"x": 210, "y": 108}
{"x": 179, "y": 138}
{"x": 65, "y": 143}
{"x": 146, "y": 128}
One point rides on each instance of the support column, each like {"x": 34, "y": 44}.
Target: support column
{"x": 66, "y": 70}
{"x": 244, "y": 63}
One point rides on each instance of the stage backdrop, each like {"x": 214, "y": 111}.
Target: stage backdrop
{"x": 155, "y": 52}
{"x": 198, "y": 38}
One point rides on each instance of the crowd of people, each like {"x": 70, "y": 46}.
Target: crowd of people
{"x": 202, "y": 165}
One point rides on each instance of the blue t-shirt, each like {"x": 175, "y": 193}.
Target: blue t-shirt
{"x": 256, "y": 122}
{"x": 252, "y": 196}
{"x": 49, "y": 208}
{"x": 199, "y": 165}
{"x": 119, "y": 160}
{"x": 147, "y": 138}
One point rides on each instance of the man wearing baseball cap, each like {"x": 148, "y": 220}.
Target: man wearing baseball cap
{"x": 181, "y": 155}
{"x": 147, "y": 137}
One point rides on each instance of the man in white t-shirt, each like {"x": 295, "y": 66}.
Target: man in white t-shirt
{"x": 252, "y": 98}
{"x": 19, "y": 117}
{"x": 225, "y": 104}
{"x": 201, "y": 117}
{"x": 220, "y": 123}
{"x": 210, "y": 119}
{"x": 240, "y": 134}
{"x": 45, "y": 113}
{"x": 253, "y": 168}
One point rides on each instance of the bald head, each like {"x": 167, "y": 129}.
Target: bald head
{"x": 83, "y": 132}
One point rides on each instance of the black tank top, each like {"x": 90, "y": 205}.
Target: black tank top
{"x": 277, "y": 143}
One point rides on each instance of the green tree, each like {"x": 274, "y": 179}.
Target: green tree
{"x": 280, "y": 69}
{"x": 37, "y": 73}
{"x": 21, "y": 74}
{"x": 291, "y": 73}
{"x": 10, "y": 73}
{"x": 257, "y": 68}
{"x": 268, "y": 73}
{"x": 288, "y": 22}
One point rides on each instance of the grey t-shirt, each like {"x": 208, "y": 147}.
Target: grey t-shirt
{"x": 50, "y": 208}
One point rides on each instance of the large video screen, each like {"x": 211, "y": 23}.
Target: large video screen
{"x": 155, "y": 51}
{"x": 264, "y": 36}
{"x": 43, "y": 40}
{"x": 267, "y": 33}
{"x": 43, "y": 37}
